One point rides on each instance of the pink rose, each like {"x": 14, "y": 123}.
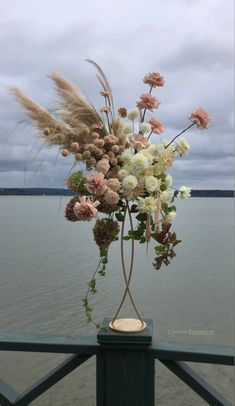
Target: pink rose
{"x": 85, "y": 210}
{"x": 201, "y": 118}
{"x": 95, "y": 183}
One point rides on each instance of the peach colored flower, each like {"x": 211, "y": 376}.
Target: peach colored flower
{"x": 201, "y": 118}
{"x": 148, "y": 101}
{"x": 138, "y": 141}
{"x": 111, "y": 197}
{"x": 103, "y": 166}
{"x": 95, "y": 183}
{"x": 85, "y": 209}
{"x": 113, "y": 184}
{"x": 157, "y": 126}
{"x": 154, "y": 79}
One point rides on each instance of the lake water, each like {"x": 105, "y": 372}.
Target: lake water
{"x": 45, "y": 263}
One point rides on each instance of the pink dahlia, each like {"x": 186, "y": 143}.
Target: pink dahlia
{"x": 95, "y": 183}
{"x": 154, "y": 79}
{"x": 85, "y": 209}
{"x": 201, "y": 118}
{"x": 157, "y": 126}
{"x": 148, "y": 101}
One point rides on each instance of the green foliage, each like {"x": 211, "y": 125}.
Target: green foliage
{"x": 165, "y": 249}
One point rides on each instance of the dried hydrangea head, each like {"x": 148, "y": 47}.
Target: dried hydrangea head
{"x": 105, "y": 231}
{"x": 76, "y": 183}
{"x": 69, "y": 210}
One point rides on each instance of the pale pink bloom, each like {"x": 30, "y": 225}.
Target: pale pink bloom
{"x": 148, "y": 101}
{"x": 85, "y": 209}
{"x": 113, "y": 184}
{"x": 95, "y": 183}
{"x": 103, "y": 166}
{"x": 201, "y": 118}
{"x": 154, "y": 79}
{"x": 111, "y": 197}
{"x": 157, "y": 126}
{"x": 138, "y": 141}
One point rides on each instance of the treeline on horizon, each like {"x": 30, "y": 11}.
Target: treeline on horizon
{"x": 67, "y": 192}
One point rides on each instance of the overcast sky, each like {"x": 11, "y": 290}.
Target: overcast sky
{"x": 190, "y": 42}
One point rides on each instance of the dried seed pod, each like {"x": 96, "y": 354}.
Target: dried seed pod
{"x": 99, "y": 143}
{"x": 90, "y": 163}
{"x": 113, "y": 161}
{"x": 105, "y": 156}
{"x": 95, "y": 135}
{"x": 115, "y": 149}
{"x": 86, "y": 155}
{"x": 65, "y": 152}
{"x": 78, "y": 157}
{"x": 119, "y": 158}
{"x": 75, "y": 146}
{"x": 111, "y": 154}
{"x": 98, "y": 153}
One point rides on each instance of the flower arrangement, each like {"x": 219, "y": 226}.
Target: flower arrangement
{"x": 124, "y": 172}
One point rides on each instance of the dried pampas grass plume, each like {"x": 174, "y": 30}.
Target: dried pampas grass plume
{"x": 76, "y": 111}
{"x": 53, "y": 131}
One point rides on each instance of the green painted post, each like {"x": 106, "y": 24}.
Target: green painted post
{"x": 125, "y": 368}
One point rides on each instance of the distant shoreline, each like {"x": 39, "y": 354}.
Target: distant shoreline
{"x": 67, "y": 192}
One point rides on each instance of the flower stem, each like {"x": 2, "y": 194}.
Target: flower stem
{"x": 150, "y": 90}
{"x": 187, "y": 128}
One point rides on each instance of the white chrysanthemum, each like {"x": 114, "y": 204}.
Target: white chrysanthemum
{"x": 147, "y": 204}
{"x": 122, "y": 173}
{"x": 151, "y": 184}
{"x": 167, "y": 195}
{"x": 129, "y": 182}
{"x": 145, "y": 127}
{"x": 155, "y": 149}
{"x": 133, "y": 114}
{"x": 184, "y": 192}
{"x": 168, "y": 181}
{"x": 139, "y": 162}
{"x": 170, "y": 216}
{"x": 126, "y": 156}
{"x": 183, "y": 146}
{"x": 127, "y": 129}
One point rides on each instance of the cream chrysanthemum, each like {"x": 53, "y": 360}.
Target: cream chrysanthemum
{"x": 147, "y": 204}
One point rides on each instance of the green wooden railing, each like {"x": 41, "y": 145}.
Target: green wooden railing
{"x": 125, "y": 365}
